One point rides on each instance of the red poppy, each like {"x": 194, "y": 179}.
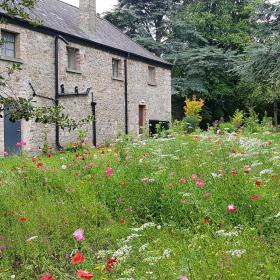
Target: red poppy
{"x": 255, "y": 197}
{"x": 234, "y": 172}
{"x": 111, "y": 263}
{"x": 78, "y": 258}
{"x": 258, "y": 183}
{"x": 34, "y": 159}
{"x": 182, "y": 181}
{"x": 46, "y": 277}
{"x": 49, "y": 155}
{"x": 84, "y": 274}
{"x": 39, "y": 164}
{"x": 23, "y": 219}
{"x": 233, "y": 152}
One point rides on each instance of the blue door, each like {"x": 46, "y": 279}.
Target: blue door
{"x": 12, "y": 134}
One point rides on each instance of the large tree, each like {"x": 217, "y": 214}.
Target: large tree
{"x": 201, "y": 38}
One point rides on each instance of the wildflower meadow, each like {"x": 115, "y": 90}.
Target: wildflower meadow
{"x": 188, "y": 207}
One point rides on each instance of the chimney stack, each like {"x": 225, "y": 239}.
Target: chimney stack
{"x": 88, "y": 16}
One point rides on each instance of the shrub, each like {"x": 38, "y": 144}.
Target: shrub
{"x": 194, "y": 107}
{"x": 227, "y": 127}
{"x": 238, "y": 119}
{"x": 252, "y": 121}
{"x": 191, "y": 123}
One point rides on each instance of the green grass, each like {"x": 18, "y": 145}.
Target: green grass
{"x": 157, "y": 226}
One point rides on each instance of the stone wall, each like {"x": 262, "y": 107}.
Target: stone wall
{"x": 36, "y": 52}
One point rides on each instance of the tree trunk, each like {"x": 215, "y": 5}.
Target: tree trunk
{"x": 275, "y": 111}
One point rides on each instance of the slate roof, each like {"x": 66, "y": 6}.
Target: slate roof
{"x": 64, "y": 18}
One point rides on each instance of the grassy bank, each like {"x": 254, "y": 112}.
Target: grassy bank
{"x": 203, "y": 207}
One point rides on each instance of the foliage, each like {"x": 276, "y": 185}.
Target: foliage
{"x": 163, "y": 212}
{"x": 252, "y": 122}
{"x": 191, "y": 123}
{"x": 194, "y": 107}
{"x": 237, "y": 119}
{"x": 227, "y": 127}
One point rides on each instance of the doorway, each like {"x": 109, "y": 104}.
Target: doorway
{"x": 12, "y": 134}
{"x": 142, "y": 118}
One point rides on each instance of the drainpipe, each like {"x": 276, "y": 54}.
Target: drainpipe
{"x": 56, "y": 99}
{"x": 126, "y": 93}
{"x": 93, "y": 105}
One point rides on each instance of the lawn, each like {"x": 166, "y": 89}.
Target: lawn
{"x": 185, "y": 207}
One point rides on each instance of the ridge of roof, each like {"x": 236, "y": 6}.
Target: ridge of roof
{"x": 62, "y": 17}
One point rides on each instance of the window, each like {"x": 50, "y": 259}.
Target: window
{"x": 8, "y": 47}
{"x": 73, "y": 58}
{"x": 116, "y": 68}
{"x": 151, "y": 75}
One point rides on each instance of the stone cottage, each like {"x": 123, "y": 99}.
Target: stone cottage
{"x": 81, "y": 61}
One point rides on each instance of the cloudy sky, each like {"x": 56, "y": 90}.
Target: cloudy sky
{"x": 102, "y": 5}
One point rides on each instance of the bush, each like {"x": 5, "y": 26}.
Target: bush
{"x": 227, "y": 127}
{"x": 191, "y": 124}
{"x": 252, "y": 122}
{"x": 238, "y": 119}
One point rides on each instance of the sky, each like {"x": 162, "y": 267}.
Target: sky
{"x": 102, "y": 5}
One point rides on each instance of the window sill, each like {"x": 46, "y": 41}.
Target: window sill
{"x": 74, "y": 71}
{"x": 11, "y": 59}
{"x": 117, "y": 79}
{"x": 152, "y": 84}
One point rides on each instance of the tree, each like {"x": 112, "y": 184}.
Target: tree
{"x": 259, "y": 65}
{"x": 149, "y": 22}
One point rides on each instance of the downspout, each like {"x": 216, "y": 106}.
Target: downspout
{"x": 56, "y": 99}
{"x": 126, "y": 93}
{"x": 93, "y": 105}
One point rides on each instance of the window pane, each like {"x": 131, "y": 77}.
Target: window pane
{"x": 8, "y": 47}
{"x": 72, "y": 58}
{"x": 115, "y": 63}
{"x": 151, "y": 75}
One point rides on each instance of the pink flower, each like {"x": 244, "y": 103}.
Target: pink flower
{"x": 20, "y": 144}
{"x": 200, "y": 182}
{"x": 206, "y": 194}
{"x": 46, "y": 277}
{"x": 194, "y": 176}
{"x": 109, "y": 171}
{"x": 231, "y": 208}
{"x": 79, "y": 234}
{"x": 184, "y": 278}
{"x": 182, "y": 181}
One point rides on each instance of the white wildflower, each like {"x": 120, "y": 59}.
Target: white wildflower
{"x": 144, "y": 226}
{"x": 131, "y": 237}
{"x": 266, "y": 171}
{"x": 143, "y": 247}
{"x": 277, "y": 215}
{"x": 63, "y": 167}
{"x": 237, "y": 252}
{"x": 32, "y": 238}
{"x": 167, "y": 253}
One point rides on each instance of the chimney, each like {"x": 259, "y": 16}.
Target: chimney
{"x": 88, "y": 16}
